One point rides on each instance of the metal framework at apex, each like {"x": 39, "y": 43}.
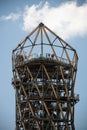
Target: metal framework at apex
{"x": 44, "y": 71}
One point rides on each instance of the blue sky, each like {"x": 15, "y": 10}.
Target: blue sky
{"x": 67, "y": 18}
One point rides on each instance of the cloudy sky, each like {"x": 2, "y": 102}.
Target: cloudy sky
{"x": 67, "y": 18}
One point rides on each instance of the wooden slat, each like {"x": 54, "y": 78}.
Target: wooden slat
{"x": 50, "y": 44}
{"x": 20, "y": 111}
{"x": 64, "y": 81}
{"x": 23, "y": 41}
{"x": 34, "y": 43}
{"x": 29, "y": 103}
{"x": 41, "y": 97}
{"x": 59, "y": 105}
{"x": 59, "y": 38}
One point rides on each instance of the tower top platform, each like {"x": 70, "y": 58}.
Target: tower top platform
{"x": 42, "y": 42}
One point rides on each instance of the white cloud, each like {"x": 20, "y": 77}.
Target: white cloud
{"x": 11, "y": 16}
{"x": 67, "y": 20}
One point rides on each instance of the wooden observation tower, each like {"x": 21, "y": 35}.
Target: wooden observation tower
{"x": 44, "y": 71}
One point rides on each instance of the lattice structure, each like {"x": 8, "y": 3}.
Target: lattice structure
{"x": 44, "y": 72}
